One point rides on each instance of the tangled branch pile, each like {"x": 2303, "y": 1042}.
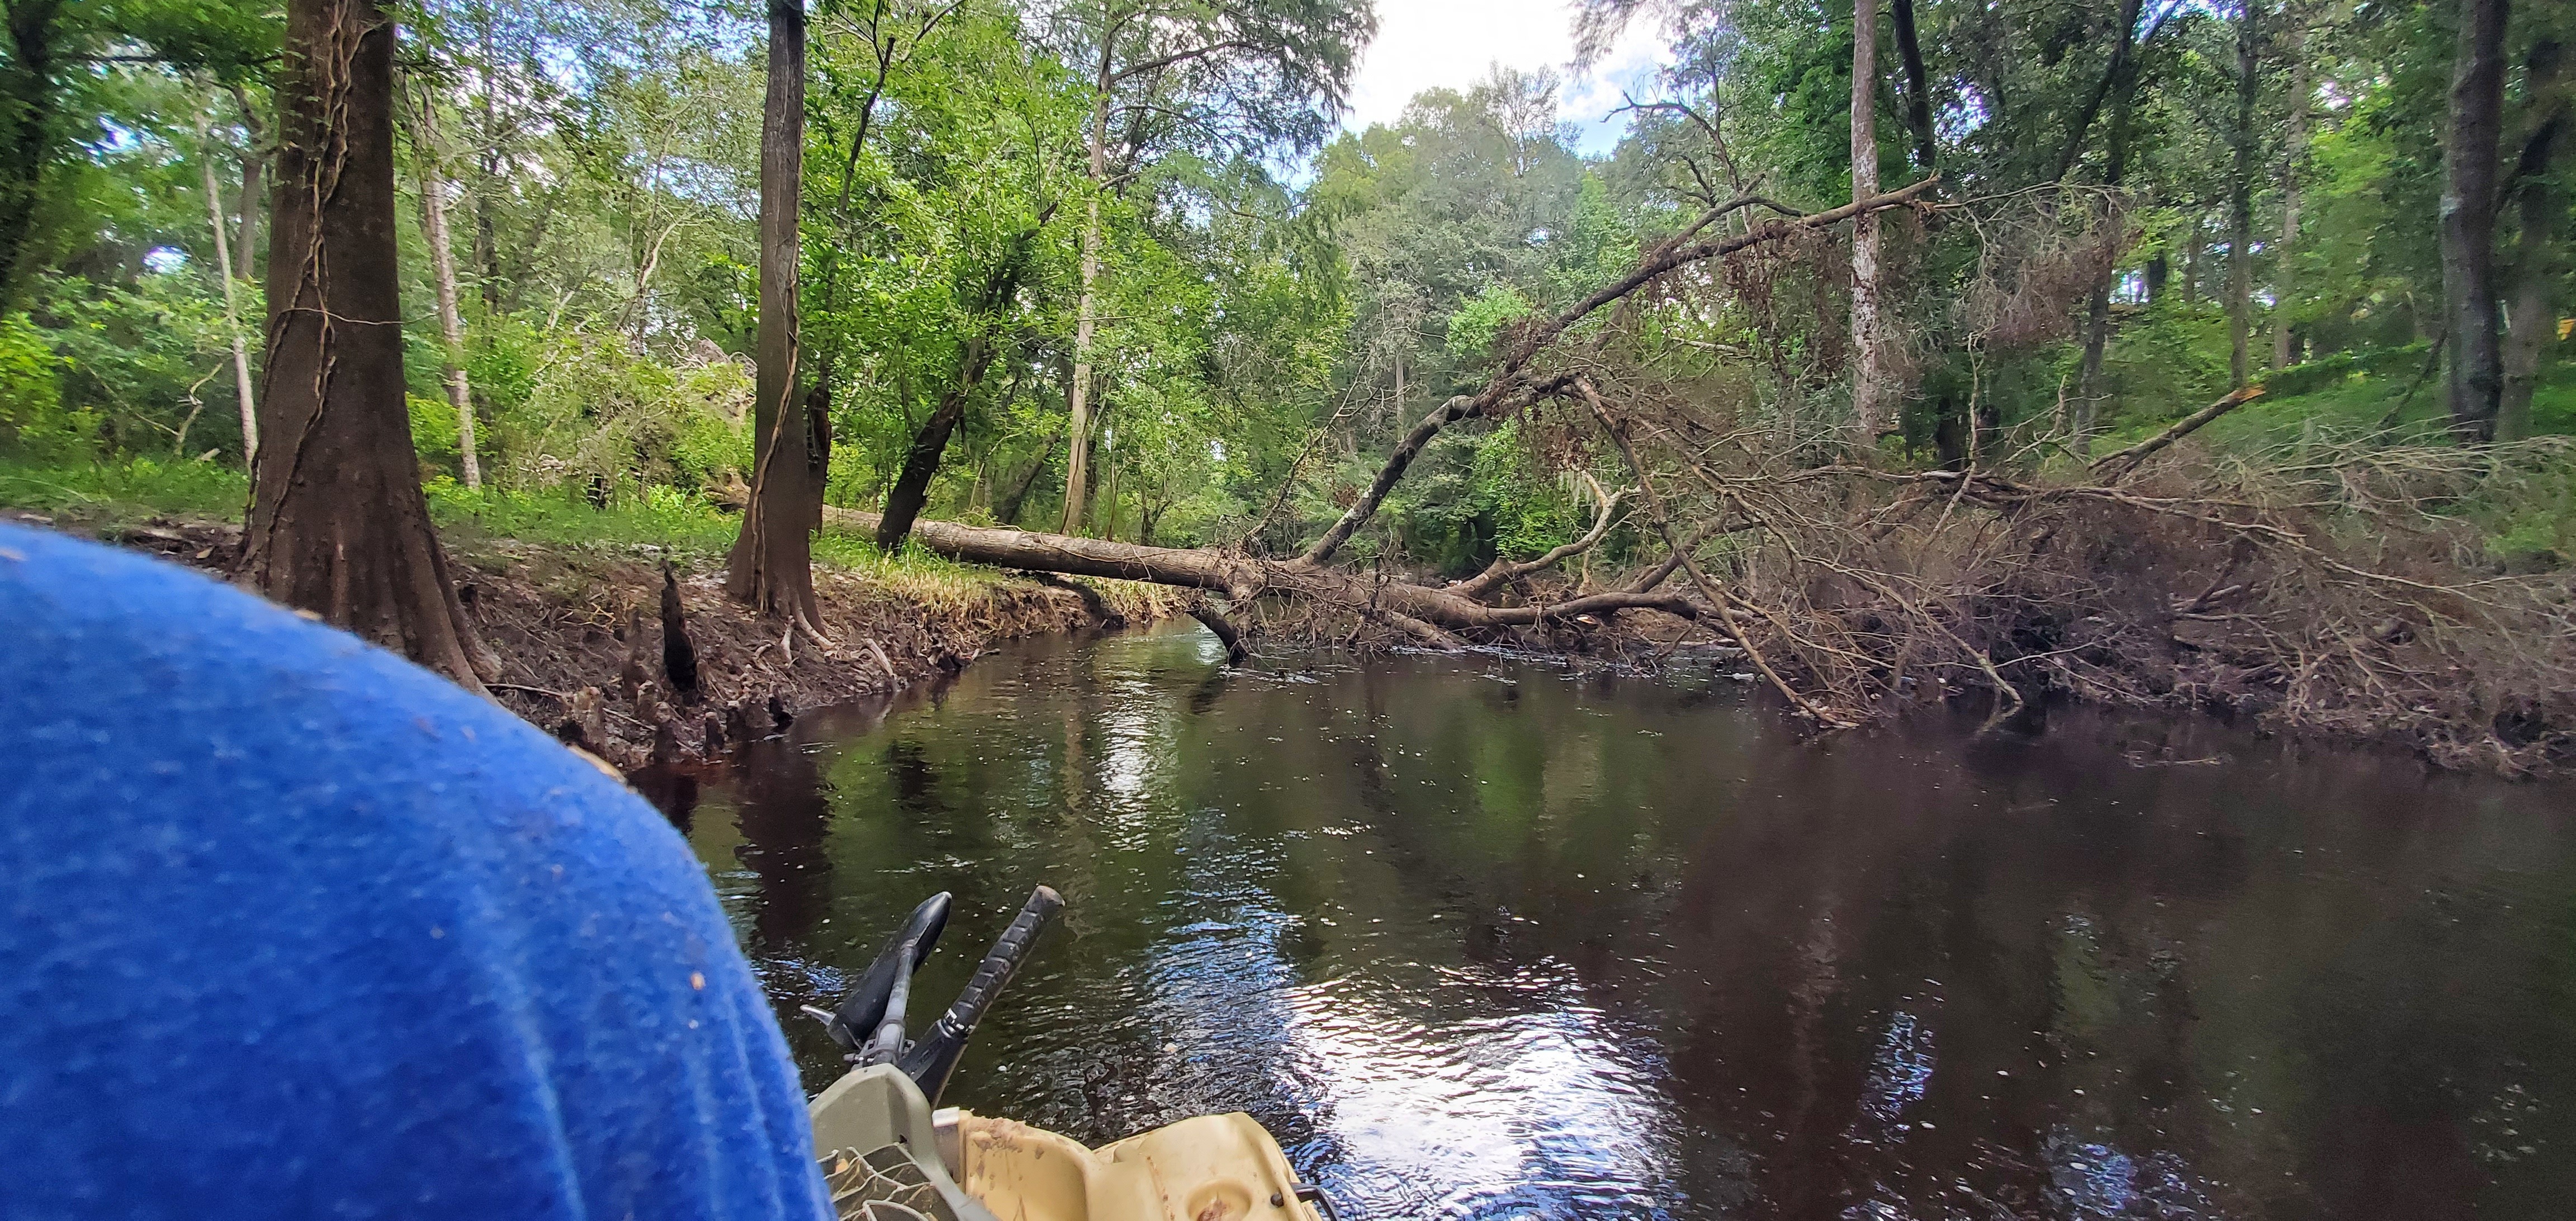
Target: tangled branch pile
{"x": 2334, "y": 585}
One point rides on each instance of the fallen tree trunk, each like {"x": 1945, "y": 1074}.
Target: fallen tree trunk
{"x": 1427, "y": 613}
{"x": 1443, "y": 616}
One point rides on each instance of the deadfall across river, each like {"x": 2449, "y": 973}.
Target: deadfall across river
{"x": 1482, "y": 938}
{"x": 2335, "y": 589}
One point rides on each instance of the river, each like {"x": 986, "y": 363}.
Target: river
{"x": 1491, "y": 939}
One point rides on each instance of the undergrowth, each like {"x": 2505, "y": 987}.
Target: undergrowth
{"x": 123, "y": 493}
{"x": 2526, "y": 518}
{"x": 109, "y": 495}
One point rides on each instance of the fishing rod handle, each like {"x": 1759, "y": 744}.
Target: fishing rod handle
{"x": 1004, "y": 960}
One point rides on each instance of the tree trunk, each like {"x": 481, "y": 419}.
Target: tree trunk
{"x": 254, "y": 167}
{"x": 1918, "y": 99}
{"x": 2240, "y": 205}
{"x": 1086, "y": 325}
{"x": 232, "y": 314}
{"x": 2284, "y": 268}
{"x": 338, "y": 525}
{"x": 442, "y": 264}
{"x": 1868, "y": 392}
{"x": 487, "y": 182}
{"x": 1109, "y": 481}
{"x": 29, "y": 96}
{"x": 920, "y": 463}
{"x": 2531, "y": 323}
{"x": 1241, "y": 579}
{"x": 2468, "y": 219}
{"x": 771, "y": 568}
{"x": 2123, "y": 78}
{"x": 2191, "y": 257}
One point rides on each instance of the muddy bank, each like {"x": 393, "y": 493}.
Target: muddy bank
{"x": 581, "y": 637}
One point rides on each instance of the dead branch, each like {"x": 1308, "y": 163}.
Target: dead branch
{"x": 2113, "y": 466}
{"x": 1708, "y": 589}
{"x": 1505, "y": 386}
{"x": 1215, "y": 622}
{"x": 1505, "y": 571}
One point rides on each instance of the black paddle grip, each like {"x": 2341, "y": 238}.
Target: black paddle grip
{"x": 931, "y": 1061}
{"x": 1004, "y": 959}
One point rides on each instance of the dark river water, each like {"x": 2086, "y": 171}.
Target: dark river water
{"x": 1486, "y": 939}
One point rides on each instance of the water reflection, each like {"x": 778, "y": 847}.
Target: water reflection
{"x": 1489, "y": 940}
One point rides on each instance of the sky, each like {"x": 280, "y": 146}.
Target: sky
{"x": 1424, "y": 44}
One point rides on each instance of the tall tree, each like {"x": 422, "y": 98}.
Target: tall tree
{"x": 2469, "y": 154}
{"x": 338, "y": 525}
{"x": 46, "y": 46}
{"x": 771, "y": 567}
{"x": 29, "y": 127}
{"x": 2294, "y": 46}
{"x": 430, "y": 155}
{"x": 974, "y": 359}
{"x": 2121, "y": 79}
{"x": 1918, "y": 91}
{"x": 2532, "y": 316}
{"x": 1869, "y": 378}
{"x": 232, "y": 309}
{"x": 1222, "y": 75}
{"x": 254, "y": 169}
{"x": 2240, "y": 197}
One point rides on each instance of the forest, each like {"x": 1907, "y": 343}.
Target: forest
{"x": 2154, "y": 352}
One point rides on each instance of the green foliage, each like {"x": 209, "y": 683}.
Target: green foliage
{"x": 604, "y": 418}
{"x": 142, "y": 357}
{"x": 655, "y": 516}
{"x": 119, "y": 490}
{"x": 1532, "y": 512}
{"x": 1254, "y": 315}
{"x": 435, "y": 430}
{"x": 1476, "y": 323}
{"x": 33, "y": 422}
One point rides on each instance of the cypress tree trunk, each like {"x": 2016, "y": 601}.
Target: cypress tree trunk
{"x": 2196, "y": 245}
{"x": 254, "y": 167}
{"x": 771, "y": 567}
{"x": 487, "y": 177}
{"x": 1918, "y": 95}
{"x": 2468, "y": 220}
{"x": 338, "y": 525}
{"x": 2534, "y": 317}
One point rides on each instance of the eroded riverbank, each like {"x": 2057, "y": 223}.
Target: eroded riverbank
{"x": 580, "y": 633}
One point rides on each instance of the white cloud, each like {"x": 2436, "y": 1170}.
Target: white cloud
{"x": 1425, "y": 44}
